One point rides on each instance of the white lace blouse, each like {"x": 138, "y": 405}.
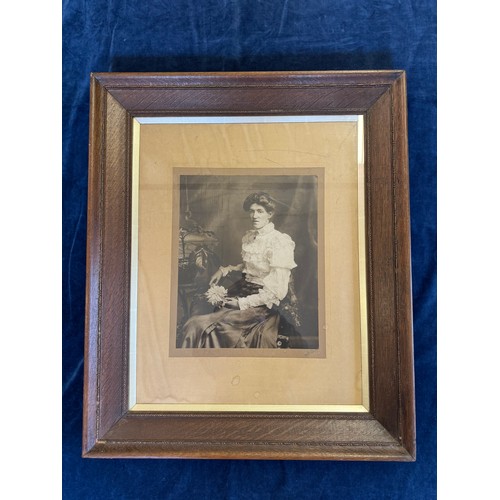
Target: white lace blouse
{"x": 267, "y": 260}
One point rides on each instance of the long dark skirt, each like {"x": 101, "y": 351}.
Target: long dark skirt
{"x": 253, "y": 327}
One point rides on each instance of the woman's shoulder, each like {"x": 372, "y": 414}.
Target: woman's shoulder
{"x": 282, "y": 237}
{"x": 281, "y": 250}
{"x": 280, "y": 241}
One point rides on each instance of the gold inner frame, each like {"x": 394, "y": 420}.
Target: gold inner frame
{"x": 165, "y": 407}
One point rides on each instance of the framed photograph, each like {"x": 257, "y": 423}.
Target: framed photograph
{"x": 248, "y": 267}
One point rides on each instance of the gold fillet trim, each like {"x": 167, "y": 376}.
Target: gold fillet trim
{"x": 365, "y": 387}
{"x": 134, "y": 262}
{"x": 176, "y": 407}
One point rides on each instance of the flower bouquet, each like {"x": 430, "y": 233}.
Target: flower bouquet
{"x": 216, "y": 295}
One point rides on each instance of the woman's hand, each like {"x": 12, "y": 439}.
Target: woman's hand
{"x": 232, "y": 303}
{"x": 216, "y": 277}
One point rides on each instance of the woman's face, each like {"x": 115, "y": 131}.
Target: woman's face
{"x": 259, "y": 216}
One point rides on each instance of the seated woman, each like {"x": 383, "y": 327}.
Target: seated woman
{"x": 248, "y": 316}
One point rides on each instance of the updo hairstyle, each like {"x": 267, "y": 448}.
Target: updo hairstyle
{"x": 262, "y": 199}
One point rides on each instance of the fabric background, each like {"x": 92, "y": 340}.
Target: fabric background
{"x": 240, "y": 35}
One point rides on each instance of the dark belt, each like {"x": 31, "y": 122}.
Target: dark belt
{"x": 243, "y": 288}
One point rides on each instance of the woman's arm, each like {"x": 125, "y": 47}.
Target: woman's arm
{"x": 223, "y": 272}
{"x": 229, "y": 269}
{"x": 274, "y": 290}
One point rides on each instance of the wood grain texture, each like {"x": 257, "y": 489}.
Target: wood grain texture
{"x": 110, "y": 430}
{"x": 224, "y": 100}
{"x": 264, "y": 429}
{"x": 93, "y": 274}
{"x": 401, "y": 210}
{"x": 115, "y": 267}
{"x": 249, "y": 79}
{"x": 381, "y": 266}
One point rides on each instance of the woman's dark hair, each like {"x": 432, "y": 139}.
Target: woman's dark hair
{"x": 262, "y": 199}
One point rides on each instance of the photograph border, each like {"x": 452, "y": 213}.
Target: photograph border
{"x": 387, "y": 431}
{"x": 301, "y": 352}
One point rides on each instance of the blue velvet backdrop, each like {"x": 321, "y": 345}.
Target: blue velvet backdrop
{"x": 242, "y": 35}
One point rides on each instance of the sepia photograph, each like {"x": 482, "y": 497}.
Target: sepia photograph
{"x": 247, "y": 262}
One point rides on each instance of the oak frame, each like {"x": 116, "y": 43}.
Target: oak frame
{"x": 387, "y": 432}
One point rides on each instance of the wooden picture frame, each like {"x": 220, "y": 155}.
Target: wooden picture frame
{"x": 385, "y": 430}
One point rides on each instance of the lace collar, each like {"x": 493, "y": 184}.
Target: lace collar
{"x": 269, "y": 227}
